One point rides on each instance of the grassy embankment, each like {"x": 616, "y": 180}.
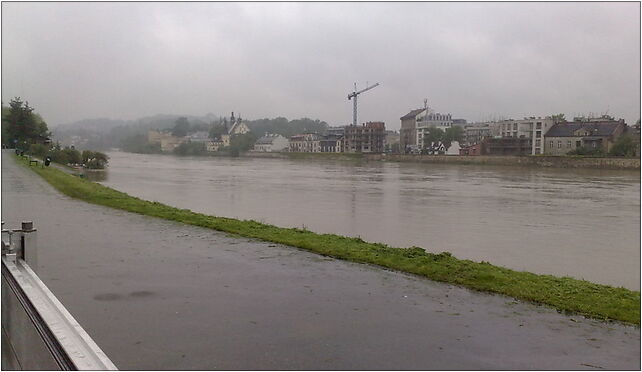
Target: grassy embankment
{"x": 565, "y": 294}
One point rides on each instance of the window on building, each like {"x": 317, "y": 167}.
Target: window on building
{"x": 594, "y": 144}
{"x": 551, "y": 144}
{"x": 515, "y": 126}
{"x": 538, "y": 133}
{"x": 538, "y": 151}
{"x": 538, "y": 125}
{"x": 559, "y": 144}
{"x": 568, "y": 144}
{"x": 538, "y": 142}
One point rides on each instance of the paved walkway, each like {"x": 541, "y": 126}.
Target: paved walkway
{"x": 161, "y": 295}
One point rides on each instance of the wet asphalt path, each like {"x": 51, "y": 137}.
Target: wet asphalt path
{"x": 161, "y": 295}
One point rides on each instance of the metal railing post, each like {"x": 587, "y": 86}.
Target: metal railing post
{"x": 9, "y": 247}
{"x": 29, "y": 243}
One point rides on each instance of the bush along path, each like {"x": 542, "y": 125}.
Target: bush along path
{"x": 562, "y": 293}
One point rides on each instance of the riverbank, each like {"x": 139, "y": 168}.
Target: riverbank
{"x": 532, "y": 161}
{"x": 565, "y": 294}
{"x": 110, "y": 267}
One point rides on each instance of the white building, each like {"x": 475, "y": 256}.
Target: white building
{"x": 167, "y": 141}
{"x": 271, "y": 143}
{"x": 533, "y": 128}
{"x": 199, "y": 137}
{"x": 308, "y": 142}
{"x": 476, "y": 132}
{"x": 238, "y": 127}
{"x": 214, "y": 145}
{"x": 453, "y": 149}
{"x": 428, "y": 118}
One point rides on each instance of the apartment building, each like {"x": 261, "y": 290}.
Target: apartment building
{"x": 415, "y": 124}
{"x": 331, "y": 143}
{"x": 408, "y": 131}
{"x": 308, "y": 142}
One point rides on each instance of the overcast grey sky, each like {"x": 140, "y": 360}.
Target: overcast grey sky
{"x": 474, "y": 60}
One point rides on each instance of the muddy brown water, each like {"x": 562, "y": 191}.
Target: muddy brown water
{"x": 581, "y": 223}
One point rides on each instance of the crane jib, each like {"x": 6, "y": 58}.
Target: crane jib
{"x": 355, "y": 94}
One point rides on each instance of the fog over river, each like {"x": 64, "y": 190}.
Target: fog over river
{"x": 581, "y": 223}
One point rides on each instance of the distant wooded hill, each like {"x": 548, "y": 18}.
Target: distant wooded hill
{"x": 287, "y": 127}
{"x": 103, "y": 133}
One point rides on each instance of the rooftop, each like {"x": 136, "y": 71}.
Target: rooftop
{"x": 597, "y": 128}
{"x": 267, "y": 139}
{"x": 412, "y": 114}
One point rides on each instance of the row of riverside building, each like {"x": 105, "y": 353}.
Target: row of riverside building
{"x": 169, "y": 142}
{"x": 365, "y": 138}
{"x": 537, "y": 136}
{"x": 528, "y": 136}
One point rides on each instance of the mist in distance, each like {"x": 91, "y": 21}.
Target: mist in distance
{"x": 478, "y": 61}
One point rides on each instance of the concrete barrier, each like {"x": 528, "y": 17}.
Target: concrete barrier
{"x": 535, "y": 161}
{"x": 38, "y": 333}
{"x": 538, "y": 161}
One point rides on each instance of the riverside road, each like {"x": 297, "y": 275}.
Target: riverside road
{"x": 156, "y": 294}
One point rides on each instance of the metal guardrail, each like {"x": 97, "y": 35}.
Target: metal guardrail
{"x": 37, "y": 331}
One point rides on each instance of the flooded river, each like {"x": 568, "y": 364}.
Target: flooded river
{"x": 580, "y": 223}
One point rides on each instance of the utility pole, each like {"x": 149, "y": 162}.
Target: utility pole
{"x": 354, "y": 95}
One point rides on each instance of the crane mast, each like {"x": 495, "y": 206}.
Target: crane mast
{"x": 354, "y": 95}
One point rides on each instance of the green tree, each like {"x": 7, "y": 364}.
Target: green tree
{"x": 216, "y": 130}
{"x": 433, "y": 134}
{"x": 73, "y": 155}
{"x": 241, "y": 143}
{"x": 181, "y": 127}
{"x": 455, "y": 133}
{"x": 587, "y": 151}
{"x": 59, "y": 156}
{"x": 559, "y": 118}
{"x": 138, "y": 143}
{"x": 285, "y": 127}
{"x": 39, "y": 149}
{"x": 94, "y": 160}
{"x": 22, "y": 126}
{"x": 5, "y": 128}
{"x": 86, "y": 155}
{"x": 190, "y": 148}
{"x": 625, "y": 145}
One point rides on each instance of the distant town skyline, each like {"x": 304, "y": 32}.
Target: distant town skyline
{"x": 476, "y": 61}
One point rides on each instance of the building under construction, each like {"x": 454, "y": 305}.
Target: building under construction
{"x": 369, "y": 137}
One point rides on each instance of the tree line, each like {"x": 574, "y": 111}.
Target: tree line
{"x": 182, "y": 126}
{"x": 27, "y": 132}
